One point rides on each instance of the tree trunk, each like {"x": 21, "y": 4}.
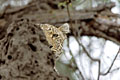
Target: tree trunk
{"x": 25, "y": 54}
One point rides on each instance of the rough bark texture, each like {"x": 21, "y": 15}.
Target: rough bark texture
{"x": 25, "y": 54}
{"x": 92, "y": 22}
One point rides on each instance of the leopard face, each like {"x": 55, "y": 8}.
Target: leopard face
{"x": 55, "y": 36}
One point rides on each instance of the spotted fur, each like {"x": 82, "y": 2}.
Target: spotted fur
{"x": 55, "y": 36}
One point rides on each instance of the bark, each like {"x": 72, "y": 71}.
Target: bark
{"x": 25, "y": 54}
{"x": 92, "y": 22}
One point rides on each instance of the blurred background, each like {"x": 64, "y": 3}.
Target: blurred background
{"x": 89, "y": 53}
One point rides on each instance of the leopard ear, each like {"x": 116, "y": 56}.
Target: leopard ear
{"x": 65, "y": 28}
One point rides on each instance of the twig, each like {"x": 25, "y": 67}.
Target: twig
{"x": 115, "y": 69}
{"x": 111, "y": 64}
{"x": 68, "y": 38}
{"x": 73, "y": 58}
{"x": 82, "y": 45}
{"x": 99, "y": 62}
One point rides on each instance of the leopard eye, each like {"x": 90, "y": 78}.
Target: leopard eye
{"x": 50, "y": 46}
{"x": 55, "y": 35}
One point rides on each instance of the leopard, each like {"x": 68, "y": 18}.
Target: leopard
{"x": 55, "y": 36}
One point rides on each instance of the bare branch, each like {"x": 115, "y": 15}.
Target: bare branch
{"x": 111, "y": 64}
